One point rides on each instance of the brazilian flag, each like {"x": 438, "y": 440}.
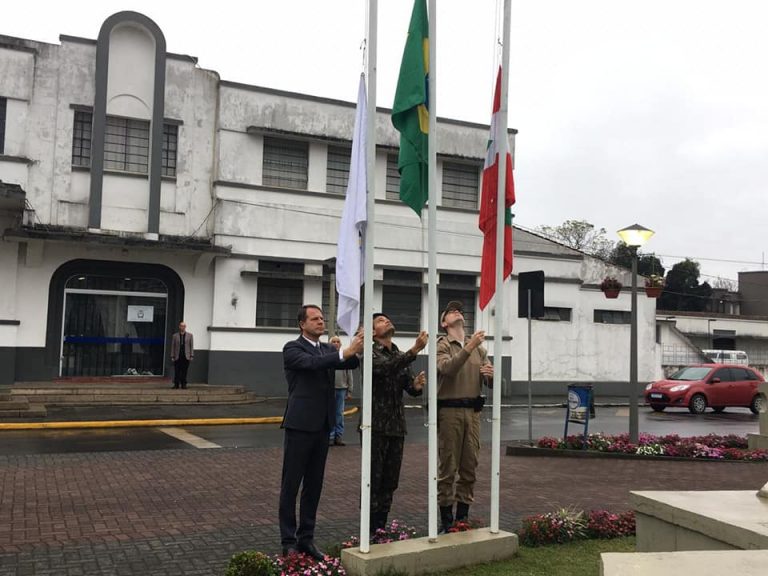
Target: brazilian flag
{"x": 410, "y": 111}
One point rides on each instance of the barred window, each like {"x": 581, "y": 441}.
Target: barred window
{"x": 286, "y": 163}
{"x": 461, "y": 287}
{"x": 401, "y": 299}
{"x": 3, "y": 107}
{"x": 170, "y": 146}
{"x": 554, "y": 314}
{"x": 81, "y": 142}
{"x": 461, "y": 183}
{"x": 339, "y": 158}
{"x": 612, "y": 317}
{"x": 279, "y": 293}
{"x": 126, "y": 144}
{"x": 393, "y": 178}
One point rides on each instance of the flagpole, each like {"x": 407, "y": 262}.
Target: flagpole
{"x": 432, "y": 278}
{"x": 368, "y": 308}
{"x": 498, "y": 347}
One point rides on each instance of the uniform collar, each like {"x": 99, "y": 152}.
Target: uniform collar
{"x": 454, "y": 339}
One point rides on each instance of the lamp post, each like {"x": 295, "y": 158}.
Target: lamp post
{"x": 634, "y": 236}
{"x": 710, "y": 344}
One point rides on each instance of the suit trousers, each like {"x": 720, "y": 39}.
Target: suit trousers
{"x": 304, "y": 455}
{"x": 180, "y": 367}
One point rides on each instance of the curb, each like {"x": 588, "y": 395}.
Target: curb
{"x": 146, "y": 423}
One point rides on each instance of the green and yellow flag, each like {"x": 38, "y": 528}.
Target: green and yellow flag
{"x": 410, "y": 111}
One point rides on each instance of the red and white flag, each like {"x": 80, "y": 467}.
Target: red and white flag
{"x": 488, "y": 207}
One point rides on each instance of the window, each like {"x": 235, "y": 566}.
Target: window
{"x": 461, "y": 183}
{"x": 279, "y": 293}
{"x": 724, "y": 374}
{"x": 459, "y": 287}
{"x": 81, "y": 142}
{"x": 286, "y": 163}
{"x": 393, "y": 178}
{"x": 126, "y": 144}
{"x": 554, "y": 314}
{"x": 170, "y": 145}
{"x": 3, "y": 106}
{"x": 612, "y": 317}
{"x": 401, "y": 299}
{"x": 337, "y": 173}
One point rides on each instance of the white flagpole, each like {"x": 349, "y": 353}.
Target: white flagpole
{"x": 368, "y": 308}
{"x": 432, "y": 278}
{"x": 498, "y": 347}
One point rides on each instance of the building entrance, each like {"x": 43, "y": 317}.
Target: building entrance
{"x": 113, "y": 326}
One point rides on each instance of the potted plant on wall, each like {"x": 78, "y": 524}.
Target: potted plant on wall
{"x": 654, "y": 286}
{"x": 610, "y": 287}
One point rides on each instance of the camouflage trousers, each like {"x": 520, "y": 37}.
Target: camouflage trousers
{"x": 386, "y": 458}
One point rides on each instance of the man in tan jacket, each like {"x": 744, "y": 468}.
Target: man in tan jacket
{"x": 462, "y": 368}
{"x": 182, "y": 353}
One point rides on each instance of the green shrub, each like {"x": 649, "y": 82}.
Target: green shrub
{"x": 251, "y": 563}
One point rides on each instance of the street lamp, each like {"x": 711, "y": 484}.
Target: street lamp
{"x": 634, "y": 236}
{"x": 709, "y": 333}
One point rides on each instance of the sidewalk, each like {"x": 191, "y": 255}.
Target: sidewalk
{"x": 185, "y": 512}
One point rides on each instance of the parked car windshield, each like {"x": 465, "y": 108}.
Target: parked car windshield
{"x": 691, "y": 373}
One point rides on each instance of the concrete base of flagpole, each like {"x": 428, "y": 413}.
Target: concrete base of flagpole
{"x": 420, "y": 556}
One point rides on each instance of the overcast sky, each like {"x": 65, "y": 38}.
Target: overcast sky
{"x": 652, "y": 111}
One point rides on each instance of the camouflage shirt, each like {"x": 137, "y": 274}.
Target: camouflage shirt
{"x": 391, "y": 375}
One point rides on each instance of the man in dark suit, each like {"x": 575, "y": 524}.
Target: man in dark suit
{"x": 182, "y": 353}
{"x": 310, "y": 415}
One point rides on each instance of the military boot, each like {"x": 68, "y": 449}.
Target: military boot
{"x": 446, "y": 518}
{"x": 462, "y": 511}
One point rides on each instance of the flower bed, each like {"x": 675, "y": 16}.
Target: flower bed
{"x": 710, "y": 447}
{"x": 567, "y": 525}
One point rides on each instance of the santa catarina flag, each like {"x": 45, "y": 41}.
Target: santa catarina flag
{"x": 410, "y": 111}
{"x": 489, "y": 205}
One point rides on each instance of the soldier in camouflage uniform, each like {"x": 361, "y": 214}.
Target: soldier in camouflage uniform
{"x": 391, "y": 375}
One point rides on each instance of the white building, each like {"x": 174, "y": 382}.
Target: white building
{"x": 139, "y": 190}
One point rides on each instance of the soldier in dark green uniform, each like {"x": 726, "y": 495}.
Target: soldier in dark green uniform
{"x": 391, "y": 376}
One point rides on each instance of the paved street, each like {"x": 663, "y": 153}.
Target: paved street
{"x": 180, "y": 511}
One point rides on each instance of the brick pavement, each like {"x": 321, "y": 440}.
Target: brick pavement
{"x": 174, "y": 512}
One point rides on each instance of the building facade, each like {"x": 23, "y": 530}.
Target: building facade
{"x": 137, "y": 190}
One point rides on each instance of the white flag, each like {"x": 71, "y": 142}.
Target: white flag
{"x": 350, "y": 270}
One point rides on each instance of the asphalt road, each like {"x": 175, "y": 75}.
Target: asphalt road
{"x": 546, "y": 422}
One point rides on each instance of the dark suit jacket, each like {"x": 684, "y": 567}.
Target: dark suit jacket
{"x": 311, "y": 391}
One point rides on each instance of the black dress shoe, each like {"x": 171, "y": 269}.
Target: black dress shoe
{"x": 288, "y": 550}
{"x": 183, "y": 386}
{"x": 311, "y": 550}
{"x": 174, "y": 387}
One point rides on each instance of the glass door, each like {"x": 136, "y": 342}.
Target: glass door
{"x": 113, "y": 333}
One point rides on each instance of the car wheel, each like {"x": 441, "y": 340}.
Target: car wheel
{"x": 758, "y": 404}
{"x": 719, "y": 409}
{"x": 657, "y": 407}
{"x": 698, "y": 404}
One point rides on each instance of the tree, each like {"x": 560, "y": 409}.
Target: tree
{"x": 683, "y": 291}
{"x": 647, "y": 264}
{"x": 580, "y": 235}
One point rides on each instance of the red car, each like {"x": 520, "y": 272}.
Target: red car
{"x": 715, "y": 385}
